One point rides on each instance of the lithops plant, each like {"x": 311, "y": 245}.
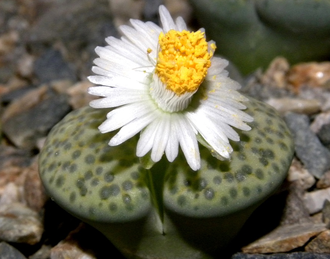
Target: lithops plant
{"x": 185, "y": 185}
{"x": 251, "y": 33}
{"x": 169, "y": 211}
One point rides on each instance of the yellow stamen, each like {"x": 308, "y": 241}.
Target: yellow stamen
{"x": 183, "y": 60}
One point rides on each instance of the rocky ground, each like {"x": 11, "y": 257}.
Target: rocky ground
{"x": 46, "y": 52}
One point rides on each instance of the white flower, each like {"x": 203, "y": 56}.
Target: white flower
{"x": 166, "y": 84}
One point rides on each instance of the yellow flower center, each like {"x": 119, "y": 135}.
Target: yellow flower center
{"x": 183, "y": 60}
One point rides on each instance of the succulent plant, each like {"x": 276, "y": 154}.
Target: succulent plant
{"x": 251, "y": 33}
{"x": 169, "y": 210}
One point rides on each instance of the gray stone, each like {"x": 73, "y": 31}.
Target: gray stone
{"x": 42, "y": 253}
{"x": 314, "y": 200}
{"x": 9, "y": 252}
{"x": 79, "y": 26}
{"x": 51, "y": 66}
{"x": 15, "y": 94}
{"x": 324, "y": 135}
{"x": 263, "y": 92}
{"x": 25, "y": 126}
{"x": 308, "y": 147}
{"x": 326, "y": 213}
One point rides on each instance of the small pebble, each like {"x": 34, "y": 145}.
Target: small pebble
{"x": 319, "y": 121}
{"x": 326, "y": 213}
{"x": 10, "y": 194}
{"x": 324, "y": 135}
{"x": 9, "y": 252}
{"x": 78, "y": 96}
{"x": 314, "y": 200}
{"x": 42, "y": 253}
{"x": 324, "y": 181}
{"x": 20, "y": 224}
{"x": 297, "y": 105}
{"x": 308, "y": 147}
{"x": 34, "y": 192}
{"x": 295, "y": 211}
{"x": 69, "y": 248}
{"x": 276, "y": 73}
{"x": 312, "y": 73}
{"x": 12, "y": 163}
{"x": 298, "y": 173}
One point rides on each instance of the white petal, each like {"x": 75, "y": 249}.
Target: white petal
{"x": 202, "y": 122}
{"x": 123, "y": 115}
{"x": 99, "y": 90}
{"x": 188, "y": 141}
{"x": 172, "y": 146}
{"x": 226, "y": 101}
{"x": 217, "y": 66}
{"x": 112, "y": 55}
{"x": 116, "y": 97}
{"x": 132, "y": 128}
{"x": 161, "y": 138}
{"x": 121, "y": 79}
{"x": 146, "y": 139}
{"x": 154, "y": 29}
{"x": 120, "y": 70}
{"x": 166, "y": 19}
{"x": 128, "y": 50}
{"x": 180, "y": 23}
{"x": 148, "y": 32}
{"x": 101, "y": 80}
{"x": 213, "y": 135}
{"x": 233, "y": 118}
{"x": 118, "y": 81}
{"x": 136, "y": 38}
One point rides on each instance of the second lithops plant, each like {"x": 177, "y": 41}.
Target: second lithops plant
{"x": 166, "y": 84}
{"x": 251, "y": 33}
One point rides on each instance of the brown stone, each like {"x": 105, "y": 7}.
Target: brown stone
{"x": 324, "y": 182}
{"x": 295, "y": 211}
{"x": 70, "y": 248}
{"x": 285, "y": 238}
{"x": 326, "y": 213}
{"x": 12, "y": 163}
{"x": 20, "y": 224}
{"x": 312, "y": 74}
{"x": 275, "y": 74}
{"x": 297, "y": 173}
{"x": 26, "y": 102}
{"x": 320, "y": 244}
{"x": 34, "y": 192}
{"x": 78, "y": 96}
